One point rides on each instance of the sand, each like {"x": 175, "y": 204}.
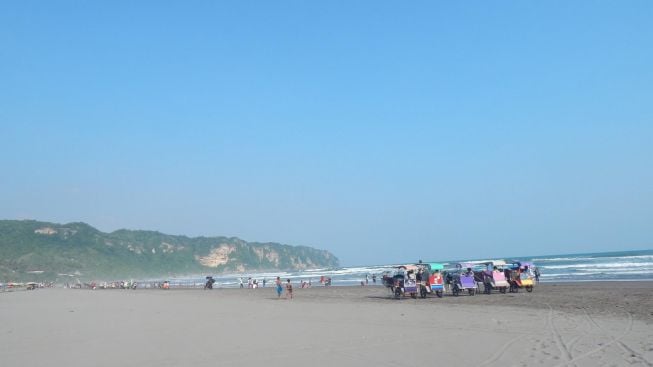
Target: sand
{"x": 581, "y": 324}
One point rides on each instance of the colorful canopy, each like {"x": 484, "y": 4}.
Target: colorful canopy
{"x": 436, "y": 266}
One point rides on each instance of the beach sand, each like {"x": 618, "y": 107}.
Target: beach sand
{"x": 580, "y": 324}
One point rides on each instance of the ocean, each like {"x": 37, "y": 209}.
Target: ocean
{"x": 604, "y": 266}
{"x": 623, "y": 265}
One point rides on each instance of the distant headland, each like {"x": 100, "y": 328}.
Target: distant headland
{"x": 42, "y": 250}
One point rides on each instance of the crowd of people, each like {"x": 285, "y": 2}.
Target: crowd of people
{"x": 241, "y": 282}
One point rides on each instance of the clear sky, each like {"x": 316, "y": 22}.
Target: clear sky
{"x": 382, "y": 131}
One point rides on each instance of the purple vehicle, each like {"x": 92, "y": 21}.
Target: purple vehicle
{"x": 402, "y": 282}
{"x": 463, "y": 279}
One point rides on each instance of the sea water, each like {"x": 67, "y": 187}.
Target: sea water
{"x": 624, "y": 265}
{"x": 604, "y": 266}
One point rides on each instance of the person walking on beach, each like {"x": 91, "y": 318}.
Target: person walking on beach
{"x": 288, "y": 289}
{"x": 277, "y": 283}
{"x": 241, "y": 282}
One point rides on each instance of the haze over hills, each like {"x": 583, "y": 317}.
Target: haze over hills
{"x": 33, "y": 250}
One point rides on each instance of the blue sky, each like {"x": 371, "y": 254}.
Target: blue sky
{"x": 383, "y": 132}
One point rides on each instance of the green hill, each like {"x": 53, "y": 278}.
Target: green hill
{"x": 32, "y": 250}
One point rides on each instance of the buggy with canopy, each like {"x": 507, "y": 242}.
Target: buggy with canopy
{"x": 520, "y": 276}
{"x": 462, "y": 280}
{"x": 493, "y": 276}
{"x": 402, "y": 282}
{"x": 436, "y": 279}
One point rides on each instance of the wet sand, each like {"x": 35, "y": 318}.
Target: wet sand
{"x": 565, "y": 324}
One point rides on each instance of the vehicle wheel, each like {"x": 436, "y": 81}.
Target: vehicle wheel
{"x": 471, "y": 292}
{"x": 502, "y": 289}
{"x": 397, "y": 293}
{"x": 413, "y": 295}
{"x": 529, "y": 288}
{"x": 455, "y": 291}
{"x": 438, "y": 293}
{"x": 422, "y": 292}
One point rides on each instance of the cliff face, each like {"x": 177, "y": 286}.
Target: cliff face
{"x": 218, "y": 256}
{"x": 30, "y": 249}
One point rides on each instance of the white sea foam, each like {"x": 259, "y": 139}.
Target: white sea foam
{"x": 648, "y": 257}
{"x": 598, "y": 258}
{"x": 564, "y": 259}
{"x": 599, "y": 265}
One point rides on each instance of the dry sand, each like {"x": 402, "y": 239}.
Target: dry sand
{"x": 582, "y": 324}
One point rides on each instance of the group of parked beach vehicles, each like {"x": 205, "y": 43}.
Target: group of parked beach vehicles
{"x": 423, "y": 279}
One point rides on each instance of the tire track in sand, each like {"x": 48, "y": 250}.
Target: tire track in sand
{"x": 504, "y": 348}
{"x": 572, "y": 343}
{"x": 499, "y": 353}
{"x": 557, "y": 339}
{"x": 629, "y": 351}
{"x": 628, "y": 330}
{"x": 576, "y": 339}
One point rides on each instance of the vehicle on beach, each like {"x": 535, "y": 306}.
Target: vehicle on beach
{"x": 402, "y": 281}
{"x": 436, "y": 279}
{"x": 461, "y": 279}
{"x": 493, "y": 276}
{"x": 415, "y": 279}
{"x": 519, "y": 275}
{"x": 430, "y": 280}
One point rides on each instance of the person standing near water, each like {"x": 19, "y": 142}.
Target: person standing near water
{"x": 288, "y": 289}
{"x": 277, "y": 283}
